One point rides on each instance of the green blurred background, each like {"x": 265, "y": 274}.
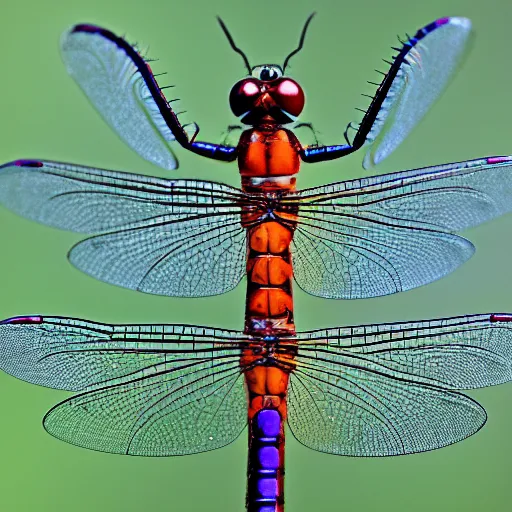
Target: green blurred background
{"x": 44, "y": 115}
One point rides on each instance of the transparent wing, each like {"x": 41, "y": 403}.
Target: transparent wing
{"x": 417, "y": 77}
{"x": 361, "y": 413}
{"x": 394, "y": 232}
{"x": 356, "y": 258}
{"x": 462, "y": 352}
{"x": 179, "y": 257}
{"x": 121, "y": 85}
{"x": 388, "y": 389}
{"x": 181, "y": 237}
{"x": 89, "y": 200}
{"x": 149, "y": 390}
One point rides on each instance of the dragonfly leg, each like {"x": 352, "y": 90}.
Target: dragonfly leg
{"x": 214, "y": 151}
{"x": 230, "y": 129}
{"x": 313, "y": 154}
{"x": 313, "y": 131}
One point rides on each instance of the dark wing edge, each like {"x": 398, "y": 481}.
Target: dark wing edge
{"x": 406, "y": 92}
{"x": 459, "y": 353}
{"x": 88, "y": 51}
{"x": 74, "y": 354}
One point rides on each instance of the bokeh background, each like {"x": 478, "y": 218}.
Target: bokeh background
{"x": 44, "y": 115}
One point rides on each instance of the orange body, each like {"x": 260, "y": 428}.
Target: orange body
{"x": 268, "y": 151}
{"x": 268, "y": 162}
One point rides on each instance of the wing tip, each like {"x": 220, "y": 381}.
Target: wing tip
{"x": 88, "y": 28}
{"x": 459, "y": 21}
{"x": 27, "y": 163}
{"x": 455, "y": 20}
{"x": 22, "y": 163}
{"x": 500, "y": 317}
{"x": 498, "y": 159}
{"x": 33, "y": 319}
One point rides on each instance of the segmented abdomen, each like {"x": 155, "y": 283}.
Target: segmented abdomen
{"x": 268, "y": 164}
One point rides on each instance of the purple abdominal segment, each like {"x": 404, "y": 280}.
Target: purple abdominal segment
{"x": 267, "y": 488}
{"x": 268, "y": 423}
{"x": 268, "y": 457}
{"x": 265, "y": 464}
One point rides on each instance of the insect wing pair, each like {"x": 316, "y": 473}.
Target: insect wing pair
{"x": 370, "y": 390}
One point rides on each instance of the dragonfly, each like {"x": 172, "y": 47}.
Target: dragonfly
{"x": 171, "y": 389}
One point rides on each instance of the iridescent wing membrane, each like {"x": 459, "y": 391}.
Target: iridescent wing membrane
{"x": 154, "y": 390}
{"x": 419, "y": 74}
{"x": 146, "y": 390}
{"x": 121, "y": 85}
{"x": 391, "y": 389}
{"x": 384, "y": 234}
{"x": 354, "y": 239}
{"x": 180, "y": 238}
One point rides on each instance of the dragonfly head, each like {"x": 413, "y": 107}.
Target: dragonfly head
{"x": 266, "y": 96}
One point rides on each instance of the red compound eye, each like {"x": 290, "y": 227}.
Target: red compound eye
{"x": 252, "y": 99}
{"x": 243, "y": 95}
{"x": 288, "y": 95}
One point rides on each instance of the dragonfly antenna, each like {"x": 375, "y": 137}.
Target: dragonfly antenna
{"x": 301, "y": 41}
{"x": 232, "y": 43}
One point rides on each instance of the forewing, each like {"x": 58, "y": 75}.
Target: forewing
{"x": 89, "y": 200}
{"x": 394, "y": 232}
{"x": 388, "y": 389}
{"x": 418, "y": 75}
{"x": 121, "y": 85}
{"x": 181, "y": 237}
{"x": 150, "y": 390}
